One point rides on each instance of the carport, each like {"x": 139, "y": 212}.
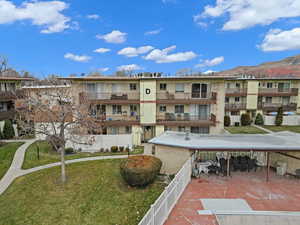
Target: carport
{"x": 281, "y": 142}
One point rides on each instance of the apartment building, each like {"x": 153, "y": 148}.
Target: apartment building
{"x": 148, "y": 106}
{"x": 263, "y": 95}
{"x": 9, "y": 91}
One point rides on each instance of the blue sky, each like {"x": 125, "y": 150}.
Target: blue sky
{"x": 60, "y": 37}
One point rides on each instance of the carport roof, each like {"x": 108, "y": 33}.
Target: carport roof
{"x": 281, "y": 141}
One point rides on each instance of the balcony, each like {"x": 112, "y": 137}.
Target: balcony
{"x": 185, "y": 119}
{"x": 186, "y": 98}
{"x": 118, "y": 120}
{"x": 278, "y": 92}
{"x": 10, "y": 114}
{"x": 235, "y": 106}
{"x": 236, "y": 92}
{"x": 275, "y": 106}
{"x": 110, "y": 98}
{"x": 11, "y": 95}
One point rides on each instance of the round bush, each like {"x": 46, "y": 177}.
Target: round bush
{"x": 140, "y": 170}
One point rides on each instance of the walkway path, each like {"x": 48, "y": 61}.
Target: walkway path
{"x": 264, "y": 129}
{"x": 16, "y": 170}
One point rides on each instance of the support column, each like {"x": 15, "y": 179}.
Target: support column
{"x": 268, "y": 166}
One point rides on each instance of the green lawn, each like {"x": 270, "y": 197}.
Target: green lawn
{"x": 245, "y": 130}
{"x": 48, "y": 156}
{"x": 95, "y": 194}
{"x": 283, "y": 128}
{"x": 7, "y": 152}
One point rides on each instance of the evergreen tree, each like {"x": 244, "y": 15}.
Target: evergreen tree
{"x": 259, "y": 120}
{"x": 245, "y": 119}
{"x": 279, "y": 117}
{"x": 8, "y": 130}
{"x": 227, "y": 121}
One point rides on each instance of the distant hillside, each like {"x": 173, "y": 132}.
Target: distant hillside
{"x": 288, "y": 67}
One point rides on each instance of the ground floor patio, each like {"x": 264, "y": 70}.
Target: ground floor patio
{"x": 279, "y": 194}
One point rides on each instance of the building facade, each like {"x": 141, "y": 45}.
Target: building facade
{"x": 148, "y": 106}
{"x": 250, "y": 95}
{"x": 10, "y": 90}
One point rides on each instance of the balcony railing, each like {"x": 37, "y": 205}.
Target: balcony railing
{"x": 278, "y": 91}
{"x": 176, "y": 97}
{"x": 118, "y": 119}
{"x": 275, "y": 106}
{"x": 235, "y": 106}
{"x": 186, "y": 118}
{"x": 109, "y": 96}
{"x": 236, "y": 91}
{"x": 10, "y": 114}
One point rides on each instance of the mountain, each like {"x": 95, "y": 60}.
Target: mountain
{"x": 288, "y": 67}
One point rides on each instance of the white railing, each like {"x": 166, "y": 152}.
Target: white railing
{"x": 160, "y": 210}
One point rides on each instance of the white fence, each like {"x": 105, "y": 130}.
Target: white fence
{"x": 160, "y": 210}
{"x": 287, "y": 120}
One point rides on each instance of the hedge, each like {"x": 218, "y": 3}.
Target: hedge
{"x": 140, "y": 170}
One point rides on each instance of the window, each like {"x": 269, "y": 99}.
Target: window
{"x": 228, "y": 85}
{"x": 132, "y": 87}
{"x": 114, "y": 130}
{"x": 179, "y": 108}
{"x": 133, "y": 108}
{"x": 238, "y": 85}
{"x": 235, "y": 113}
{"x": 237, "y": 99}
{"x": 162, "y": 108}
{"x": 227, "y": 99}
{"x": 200, "y": 130}
{"x": 163, "y": 87}
{"x": 268, "y": 99}
{"x": 269, "y": 85}
{"x": 181, "y": 129}
{"x": 285, "y": 100}
{"x": 91, "y": 87}
{"x": 128, "y": 130}
{"x": 179, "y": 88}
{"x": 117, "y": 109}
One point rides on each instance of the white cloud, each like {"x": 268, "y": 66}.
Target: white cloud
{"x": 211, "y": 62}
{"x": 278, "y": 40}
{"x": 77, "y": 58}
{"x": 93, "y": 16}
{"x": 130, "y": 67}
{"x": 209, "y": 72}
{"x": 153, "y": 32}
{"x": 133, "y": 52}
{"x": 102, "y": 50}
{"x": 248, "y": 13}
{"x": 115, "y": 37}
{"x": 46, "y": 14}
{"x": 104, "y": 69}
{"x": 163, "y": 56}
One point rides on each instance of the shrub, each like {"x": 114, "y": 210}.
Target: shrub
{"x": 127, "y": 149}
{"x": 114, "y": 149}
{"x": 1, "y": 134}
{"x": 69, "y": 151}
{"x": 245, "y": 119}
{"x": 121, "y": 148}
{"x": 106, "y": 150}
{"x": 279, "y": 117}
{"x": 227, "y": 121}
{"x": 8, "y": 130}
{"x": 259, "y": 120}
{"x": 102, "y": 150}
{"x": 140, "y": 170}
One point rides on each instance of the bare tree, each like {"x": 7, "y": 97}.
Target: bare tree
{"x": 3, "y": 64}
{"x": 56, "y": 116}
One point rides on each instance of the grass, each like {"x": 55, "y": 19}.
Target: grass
{"x": 7, "y": 152}
{"x": 95, "y": 194}
{"x": 245, "y": 130}
{"x": 295, "y": 129}
{"x": 48, "y": 156}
